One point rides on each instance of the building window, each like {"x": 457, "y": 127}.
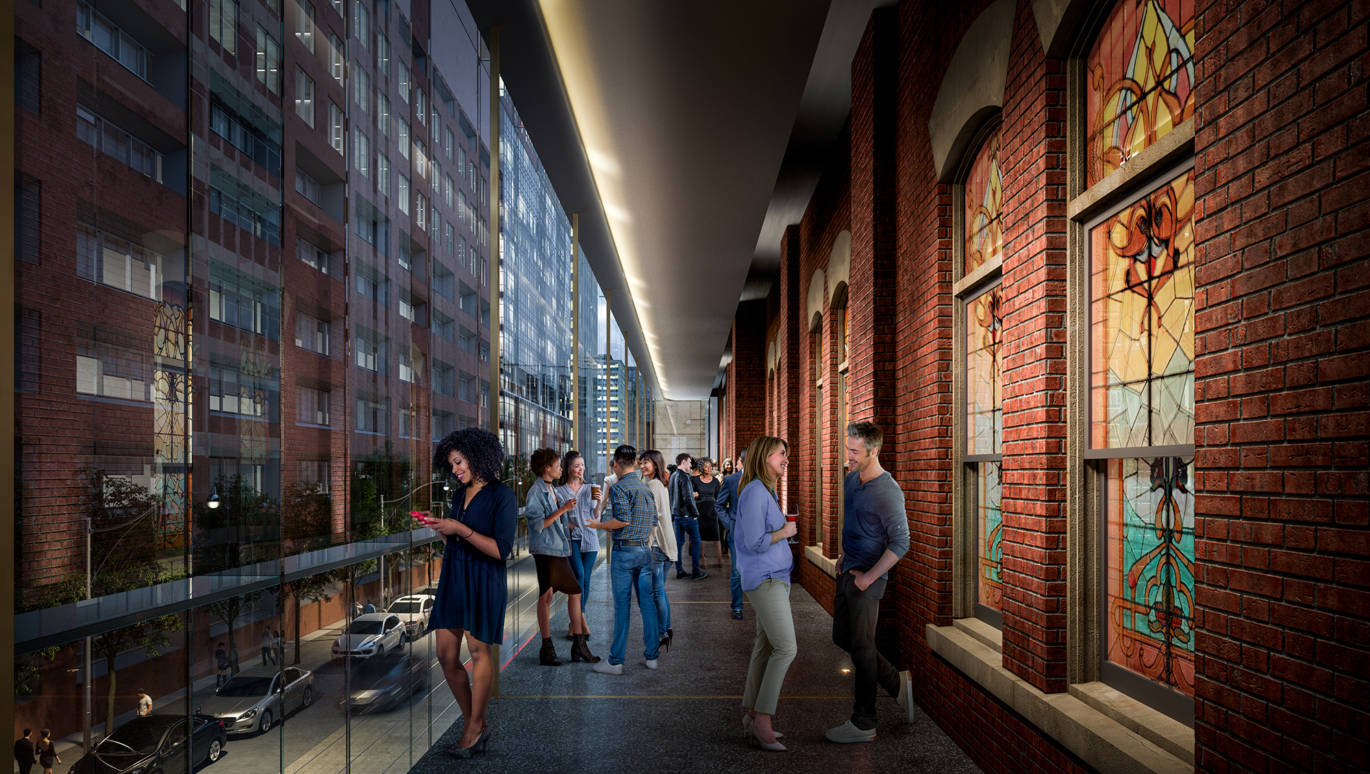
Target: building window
{"x": 312, "y": 254}
{"x": 444, "y": 378}
{"x": 382, "y": 55}
{"x": 249, "y": 309}
{"x": 361, "y": 22}
{"x": 361, "y": 89}
{"x": 314, "y": 473}
{"x": 420, "y": 211}
{"x": 402, "y": 136}
{"x": 382, "y": 173}
{"x": 420, "y": 105}
{"x": 242, "y": 134}
{"x": 336, "y": 137}
{"x": 816, "y": 408}
{"x": 402, "y": 194}
{"x": 304, "y": 97}
{"x": 373, "y": 416}
{"x": 311, "y": 334}
{"x": 383, "y": 112}
{"x": 312, "y": 407}
{"x": 1138, "y": 256}
{"x": 268, "y": 61}
{"x": 444, "y": 422}
{"x": 118, "y": 143}
{"x": 233, "y": 392}
{"x": 443, "y": 326}
{"x": 304, "y": 24}
{"x": 411, "y": 366}
{"x": 361, "y": 153}
{"x": 307, "y": 186}
{"x": 108, "y": 368}
{"x": 404, "y": 82}
{"x": 93, "y": 26}
{"x": 370, "y": 353}
{"x": 409, "y": 422}
{"x": 117, "y": 263}
{"x": 336, "y": 64}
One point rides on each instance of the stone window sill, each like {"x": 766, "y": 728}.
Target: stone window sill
{"x": 816, "y": 557}
{"x": 1106, "y": 729}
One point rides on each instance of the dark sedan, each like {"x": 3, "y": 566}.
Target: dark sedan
{"x": 156, "y": 743}
{"x": 384, "y": 683}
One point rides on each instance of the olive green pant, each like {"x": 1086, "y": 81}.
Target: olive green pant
{"x": 775, "y": 645}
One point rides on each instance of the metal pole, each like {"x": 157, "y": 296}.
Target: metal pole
{"x": 381, "y": 497}
{"x": 87, "y": 698}
{"x": 495, "y": 313}
{"x": 575, "y": 331}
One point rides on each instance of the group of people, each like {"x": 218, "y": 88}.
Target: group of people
{"x": 43, "y": 752}
{"x": 645, "y": 512}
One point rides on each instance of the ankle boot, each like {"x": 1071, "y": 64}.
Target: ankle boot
{"x": 581, "y": 652}
{"x": 548, "y": 655}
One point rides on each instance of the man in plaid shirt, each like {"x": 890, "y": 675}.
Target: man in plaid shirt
{"x": 631, "y": 521}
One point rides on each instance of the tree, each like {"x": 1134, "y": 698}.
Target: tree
{"x": 313, "y": 588}
{"x": 227, "y": 612}
{"x": 306, "y": 518}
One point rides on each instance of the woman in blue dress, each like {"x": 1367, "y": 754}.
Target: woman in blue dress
{"x": 480, "y": 528}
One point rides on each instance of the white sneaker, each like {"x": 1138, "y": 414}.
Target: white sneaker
{"x": 605, "y": 668}
{"x": 848, "y": 733}
{"x": 651, "y": 663}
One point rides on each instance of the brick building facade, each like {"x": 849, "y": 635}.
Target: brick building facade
{"x": 1265, "y": 641}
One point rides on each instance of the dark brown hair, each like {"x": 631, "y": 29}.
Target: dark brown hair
{"x": 541, "y": 460}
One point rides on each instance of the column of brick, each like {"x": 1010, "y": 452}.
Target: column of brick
{"x": 1282, "y": 329}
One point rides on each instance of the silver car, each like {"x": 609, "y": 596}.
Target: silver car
{"x": 254, "y": 699}
{"x": 370, "y": 635}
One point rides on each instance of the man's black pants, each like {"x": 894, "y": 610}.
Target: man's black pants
{"x": 854, "y": 614}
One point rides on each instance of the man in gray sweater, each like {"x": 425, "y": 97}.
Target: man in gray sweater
{"x": 875, "y": 533}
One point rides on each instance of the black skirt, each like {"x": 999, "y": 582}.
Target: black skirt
{"x": 554, "y": 572}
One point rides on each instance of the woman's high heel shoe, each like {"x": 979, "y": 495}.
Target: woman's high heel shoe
{"x": 767, "y": 746}
{"x": 665, "y": 643}
{"x": 748, "y": 724}
{"x": 475, "y": 749}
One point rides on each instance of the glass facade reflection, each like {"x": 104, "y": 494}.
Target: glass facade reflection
{"x": 252, "y": 291}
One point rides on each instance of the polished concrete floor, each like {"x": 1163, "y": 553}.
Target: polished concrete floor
{"x": 685, "y": 715}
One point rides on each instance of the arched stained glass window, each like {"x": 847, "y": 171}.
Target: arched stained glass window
{"x": 984, "y": 193}
{"x": 1140, "y": 80}
{"x": 984, "y": 437}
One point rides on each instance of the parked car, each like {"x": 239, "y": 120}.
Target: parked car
{"x": 254, "y": 699}
{"x": 156, "y": 743}
{"x": 414, "y": 610}
{"x": 383, "y": 683}
{"x": 370, "y": 635}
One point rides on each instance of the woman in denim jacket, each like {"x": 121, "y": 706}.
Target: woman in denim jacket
{"x": 549, "y": 540}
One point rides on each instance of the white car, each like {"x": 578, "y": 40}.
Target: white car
{"x": 414, "y": 610}
{"x": 370, "y": 635}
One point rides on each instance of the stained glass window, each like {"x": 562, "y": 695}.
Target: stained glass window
{"x": 1140, "y": 80}
{"x": 1142, "y": 318}
{"x": 984, "y": 436}
{"x": 1150, "y": 555}
{"x": 1142, "y": 417}
{"x": 984, "y": 192}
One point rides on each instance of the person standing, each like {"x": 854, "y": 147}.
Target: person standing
{"x": 685, "y": 514}
{"x": 875, "y": 534}
{"x": 663, "y": 543}
{"x": 727, "y": 514}
{"x": 144, "y": 703}
{"x": 221, "y": 663}
{"x": 765, "y": 560}
{"x": 24, "y": 753}
{"x": 584, "y": 539}
{"x": 268, "y": 648}
{"x": 473, "y": 590}
{"x": 47, "y": 753}
{"x": 634, "y": 515}
{"x": 549, "y": 540}
{"x": 706, "y": 488}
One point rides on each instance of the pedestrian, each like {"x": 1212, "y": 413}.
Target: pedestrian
{"x": 268, "y": 648}
{"x": 765, "y": 561}
{"x": 472, "y": 594}
{"x": 47, "y": 753}
{"x": 144, "y": 703}
{"x": 634, "y": 515}
{"x": 727, "y": 515}
{"x": 875, "y": 533}
{"x": 727, "y": 467}
{"x": 706, "y": 489}
{"x": 24, "y": 752}
{"x": 584, "y": 539}
{"x": 222, "y": 664}
{"x": 685, "y": 514}
{"x": 549, "y": 541}
{"x": 664, "y": 550}
{"x": 280, "y": 645}
{"x": 370, "y": 608}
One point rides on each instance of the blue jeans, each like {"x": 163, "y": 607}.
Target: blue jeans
{"x": 735, "y": 580}
{"x": 685, "y": 525}
{"x": 627, "y": 566}
{"x": 583, "y": 565}
{"x": 653, "y": 585}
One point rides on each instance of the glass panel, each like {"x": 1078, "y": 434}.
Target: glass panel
{"x": 1142, "y": 321}
{"x": 989, "y": 534}
{"x": 1141, "y": 80}
{"x": 984, "y": 373}
{"x": 984, "y": 193}
{"x": 1150, "y": 568}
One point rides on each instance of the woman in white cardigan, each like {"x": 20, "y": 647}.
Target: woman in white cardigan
{"x": 653, "y": 469}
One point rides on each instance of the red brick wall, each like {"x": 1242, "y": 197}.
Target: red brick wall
{"x": 1283, "y": 301}
{"x": 1283, "y": 283}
